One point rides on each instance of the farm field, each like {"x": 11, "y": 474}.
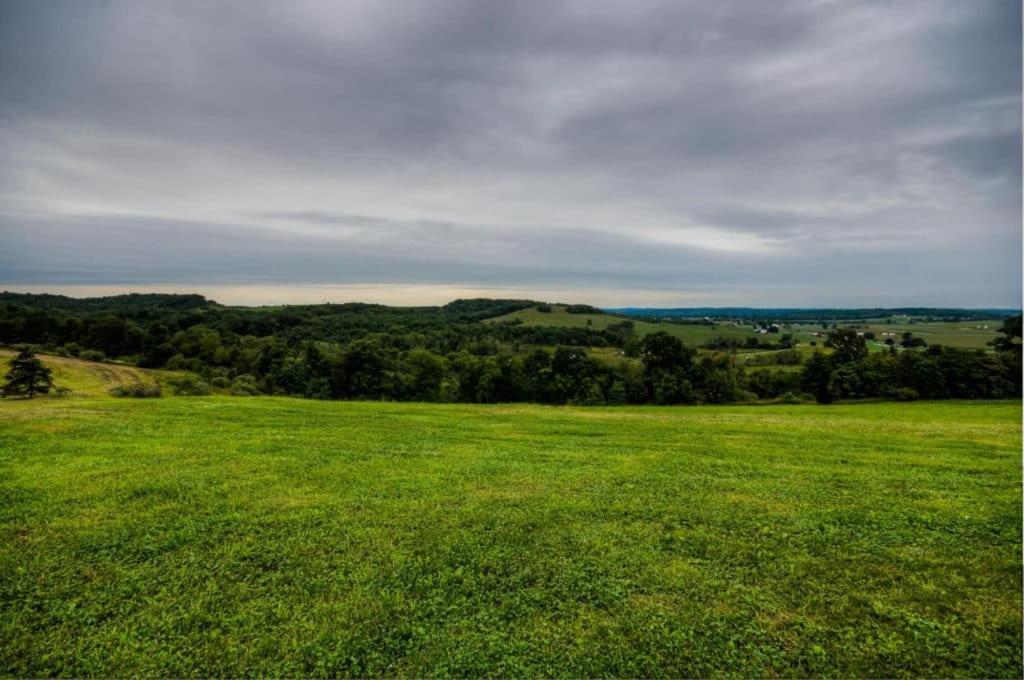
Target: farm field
{"x": 690, "y": 334}
{"x": 226, "y": 536}
{"x": 962, "y": 334}
{"x": 967, "y": 334}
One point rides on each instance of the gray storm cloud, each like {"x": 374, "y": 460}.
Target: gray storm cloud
{"x": 801, "y": 152}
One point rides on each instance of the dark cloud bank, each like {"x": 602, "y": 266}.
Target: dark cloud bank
{"x": 784, "y": 153}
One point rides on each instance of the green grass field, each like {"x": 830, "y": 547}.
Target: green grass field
{"x": 90, "y": 378}
{"x": 967, "y": 334}
{"x": 690, "y": 334}
{"x": 270, "y": 536}
{"x": 963, "y": 334}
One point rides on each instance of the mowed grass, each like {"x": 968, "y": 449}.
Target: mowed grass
{"x": 270, "y": 536}
{"x": 690, "y": 334}
{"x": 91, "y": 378}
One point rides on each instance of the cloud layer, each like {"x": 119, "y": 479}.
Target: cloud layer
{"x": 796, "y": 153}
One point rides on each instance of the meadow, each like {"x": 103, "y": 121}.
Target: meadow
{"x": 224, "y": 536}
{"x": 967, "y": 334}
{"x": 91, "y": 378}
{"x": 691, "y": 334}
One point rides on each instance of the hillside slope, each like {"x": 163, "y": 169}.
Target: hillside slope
{"x": 691, "y": 334}
{"x": 973, "y": 334}
{"x": 91, "y": 378}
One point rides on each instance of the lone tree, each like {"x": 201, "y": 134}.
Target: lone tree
{"x": 27, "y": 376}
{"x": 850, "y": 347}
{"x": 1008, "y": 333}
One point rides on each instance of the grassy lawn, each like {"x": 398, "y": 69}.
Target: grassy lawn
{"x": 271, "y": 536}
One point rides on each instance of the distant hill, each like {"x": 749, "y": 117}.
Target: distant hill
{"x": 582, "y": 316}
{"x": 127, "y": 304}
{"x": 478, "y": 309}
{"x": 972, "y": 329}
{"x": 809, "y": 314}
{"x": 149, "y": 305}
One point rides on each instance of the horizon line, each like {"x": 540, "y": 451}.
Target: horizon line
{"x": 87, "y": 291}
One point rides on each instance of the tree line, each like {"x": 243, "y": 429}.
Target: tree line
{"x": 359, "y": 351}
{"x": 936, "y": 372}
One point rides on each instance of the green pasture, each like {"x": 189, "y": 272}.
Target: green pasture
{"x": 90, "y": 377}
{"x": 197, "y": 537}
{"x": 963, "y": 334}
{"x": 690, "y": 334}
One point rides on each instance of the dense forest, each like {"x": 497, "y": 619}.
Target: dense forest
{"x": 367, "y": 351}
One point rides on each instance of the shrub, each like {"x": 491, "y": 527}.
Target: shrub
{"x": 617, "y": 394}
{"x": 190, "y": 386}
{"x": 180, "y": 362}
{"x": 906, "y": 394}
{"x": 672, "y": 388}
{"x": 590, "y": 395}
{"x": 581, "y": 309}
{"x": 544, "y": 308}
{"x": 137, "y": 389}
{"x": 720, "y": 387}
{"x": 244, "y": 386}
{"x": 220, "y": 382}
{"x": 448, "y": 390}
{"x": 789, "y": 357}
{"x": 92, "y": 355}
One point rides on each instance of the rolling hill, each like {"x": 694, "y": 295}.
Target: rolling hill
{"x": 91, "y": 378}
{"x": 692, "y": 334}
{"x": 965, "y": 334}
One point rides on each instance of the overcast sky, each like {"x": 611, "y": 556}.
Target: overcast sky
{"x": 616, "y": 153}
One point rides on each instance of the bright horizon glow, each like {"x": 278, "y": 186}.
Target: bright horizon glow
{"x": 251, "y": 295}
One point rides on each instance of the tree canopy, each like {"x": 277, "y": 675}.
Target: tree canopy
{"x": 446, "y": 353}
